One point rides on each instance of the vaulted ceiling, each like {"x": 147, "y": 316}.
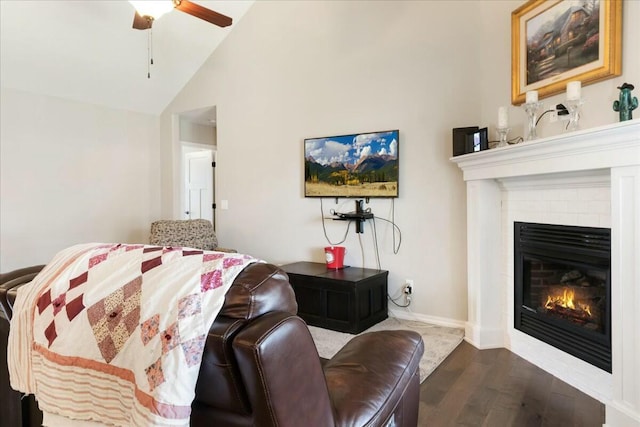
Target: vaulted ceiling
{"x": 88, "y": 51}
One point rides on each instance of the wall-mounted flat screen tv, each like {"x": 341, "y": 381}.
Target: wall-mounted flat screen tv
{"x": 357, "y": 165}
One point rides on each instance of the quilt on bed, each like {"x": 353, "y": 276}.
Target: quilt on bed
{"x": 115, "y": 333}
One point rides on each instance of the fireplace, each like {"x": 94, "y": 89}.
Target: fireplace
{"x": 585, "y": 178}
{"x": 562, "y": 294}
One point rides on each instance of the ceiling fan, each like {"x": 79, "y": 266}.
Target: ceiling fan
{"x": 148, "y": 11}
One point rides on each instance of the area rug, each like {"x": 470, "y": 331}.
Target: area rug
{"x": 439, "y": 341}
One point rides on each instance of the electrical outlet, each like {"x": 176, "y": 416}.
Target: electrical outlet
{"x": 553, "y": 116}
{"x": 407, "y": 290}
{"x": 408, "y": 287}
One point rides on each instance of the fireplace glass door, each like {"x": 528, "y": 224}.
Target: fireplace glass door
{"x": 562, "y": 288}
{"x": 567, "y": 292}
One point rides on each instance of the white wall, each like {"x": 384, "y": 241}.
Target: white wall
{"x": 197, "y": 133}
{"x": 292, "y": 70}
{"x": 72, "y": 173}
{"x": 495, "y": 34}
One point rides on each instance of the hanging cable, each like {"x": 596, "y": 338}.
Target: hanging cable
{"x": 395, "y": 249}
{"x": 361, "y": 247}
{"x": 325, "y": 230}
{"x": 398, "y": 305}
{"x": 393, "y": 300}
{"x": 393, "y": 221}
{"x": 375, "y": 244}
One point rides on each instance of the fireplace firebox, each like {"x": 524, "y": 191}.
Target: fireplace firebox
{"x": 562, "y": 294}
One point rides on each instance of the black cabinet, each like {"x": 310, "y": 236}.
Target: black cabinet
{"x": 350, "y": 299}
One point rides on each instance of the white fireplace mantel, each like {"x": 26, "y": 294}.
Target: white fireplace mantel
{"x": 608, "y": 154}
{"x": 599, "y": 148}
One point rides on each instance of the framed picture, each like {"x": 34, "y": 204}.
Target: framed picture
{"x": 557, "y": 41}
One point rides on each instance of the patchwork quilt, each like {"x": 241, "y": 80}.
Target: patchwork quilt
{"x": 115, "y": 333}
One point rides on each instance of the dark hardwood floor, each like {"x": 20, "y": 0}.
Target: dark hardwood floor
{"x": 496, "y": 388}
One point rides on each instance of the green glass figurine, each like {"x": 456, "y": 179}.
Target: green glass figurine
{"x": 627, "y": 103}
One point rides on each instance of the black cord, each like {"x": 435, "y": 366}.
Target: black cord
{"x": 541, "y": 115}
{"x": 399, "y": 305}
{"x": 517, "y": 140}
{"x": 560, "y": 108}
{"x": 393, "y": 300}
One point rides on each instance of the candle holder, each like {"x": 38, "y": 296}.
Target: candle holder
{"x": 574, "y": 106}
{"x": 502, "y": 137}
{"x": 532, "y": 109}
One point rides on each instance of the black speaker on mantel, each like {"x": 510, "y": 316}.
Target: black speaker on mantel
{"x": 462, "y": 144}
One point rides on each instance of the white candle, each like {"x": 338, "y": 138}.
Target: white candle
{"x": 532, "y": 96}
{"x": 503, "y": 118}
{"x": 573, "y": 90}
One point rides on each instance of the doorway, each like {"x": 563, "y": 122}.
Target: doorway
{"x": 197, "y": 150}
{"x": 198, "y": 184}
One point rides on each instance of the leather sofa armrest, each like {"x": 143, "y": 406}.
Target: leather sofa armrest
{"x": 5, "y": 277}
{"x": 9, "y": 282}
{"x": 368, "y": 377}
{"x": 282, "y": 373}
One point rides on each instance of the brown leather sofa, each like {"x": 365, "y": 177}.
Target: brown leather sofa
{"x": 260, "y": 366}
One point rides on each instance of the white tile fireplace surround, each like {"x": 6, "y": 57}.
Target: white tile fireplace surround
{"x": 584, "y": 178}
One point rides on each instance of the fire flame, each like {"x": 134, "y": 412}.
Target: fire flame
{"x": 566, "y": 300}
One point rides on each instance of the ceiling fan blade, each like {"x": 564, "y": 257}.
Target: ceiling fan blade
{"x": 203, "y": 13}
{"x": 141, "y": 23}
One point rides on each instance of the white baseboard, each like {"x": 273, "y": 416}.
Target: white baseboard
{"x": 434, "y": 320}
{"x": 483, "y": 339}
{"x": 617, "y": 415}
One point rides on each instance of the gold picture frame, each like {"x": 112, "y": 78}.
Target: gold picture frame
{"x": 557, "y": 41}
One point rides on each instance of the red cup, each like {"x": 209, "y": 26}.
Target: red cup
{"x": 335, "y": 256}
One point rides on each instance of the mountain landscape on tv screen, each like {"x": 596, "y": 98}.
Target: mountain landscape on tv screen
{"x": 372, "y": 176}
{"x": 359, "y": 165}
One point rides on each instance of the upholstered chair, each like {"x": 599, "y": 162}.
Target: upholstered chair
{"x": 189, "y": 233}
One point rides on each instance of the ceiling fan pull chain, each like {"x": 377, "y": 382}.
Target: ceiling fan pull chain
{"x": 149, "y": 53}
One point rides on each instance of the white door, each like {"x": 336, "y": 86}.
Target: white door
{"x": 198, "y": 169}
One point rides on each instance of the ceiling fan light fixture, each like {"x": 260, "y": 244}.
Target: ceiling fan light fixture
{"x": 153, "y": 8}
